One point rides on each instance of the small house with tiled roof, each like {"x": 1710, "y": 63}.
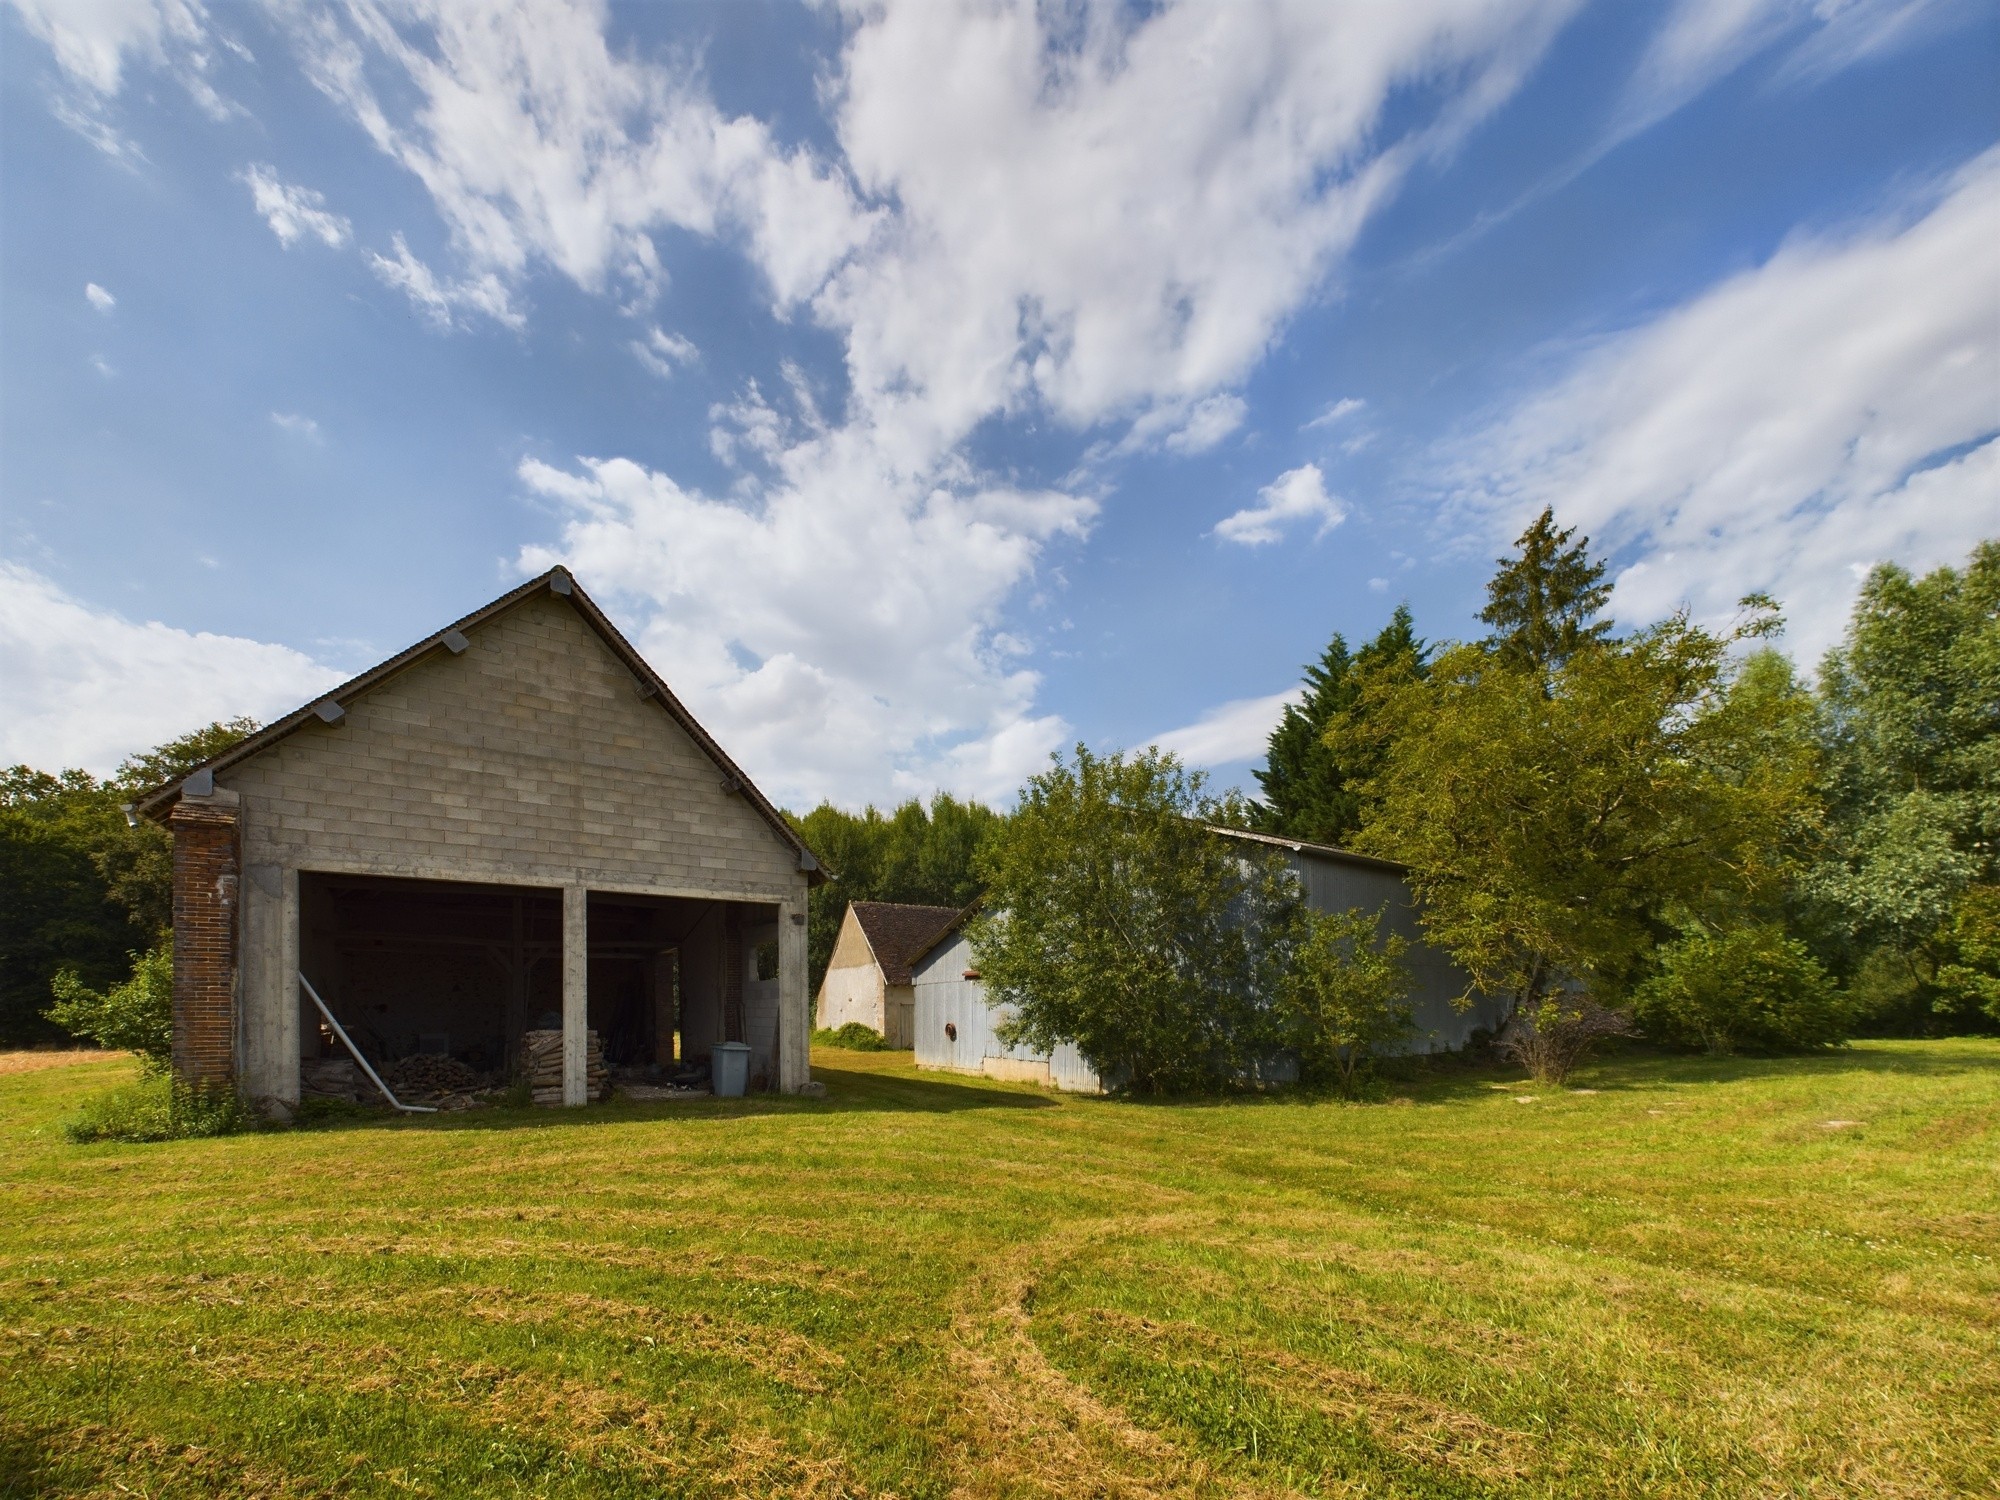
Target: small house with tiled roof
{"x": 512, "y": 826}
{"x": 868, "y": 977}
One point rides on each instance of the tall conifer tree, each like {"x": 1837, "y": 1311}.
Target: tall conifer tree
{"x": 1308, "y": 786}
{"x": 1543, "y": 602}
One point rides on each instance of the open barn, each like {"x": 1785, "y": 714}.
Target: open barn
{"x": 514, "y": 828}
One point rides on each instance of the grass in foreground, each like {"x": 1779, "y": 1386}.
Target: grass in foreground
{"x": 1684, "y": 1278}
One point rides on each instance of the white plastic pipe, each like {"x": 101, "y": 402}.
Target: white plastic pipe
{"x": 348, "y": 1042}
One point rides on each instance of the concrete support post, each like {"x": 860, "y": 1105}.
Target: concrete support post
{"x": 289, "y": 1000}
{"x": 576, "y": 994}
{"x": 794, "y": 1005}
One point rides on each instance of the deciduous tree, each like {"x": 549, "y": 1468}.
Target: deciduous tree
{"x": 1911, "y": 704}
{"x": 1116, "y": 921}
{"x": 1553, "y": 823}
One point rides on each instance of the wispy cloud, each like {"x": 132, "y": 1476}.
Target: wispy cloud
{"x": 98, "y": 298}
{"x": 663, "y": 352}
{"x": 1339, "y": 411}
{"x": 1297, "y": 496}
{"x": 297, "y": 426}
{"x": 86, "y": 687}
{"x": 1229, "y": 733}
{"x": 293, "y": 212}
{"x": 1786, "y": 428}
{"x": 445, "y": 303}
{"x": 93, "y": 44}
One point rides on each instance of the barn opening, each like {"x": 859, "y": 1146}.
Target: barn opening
{"x": 415, "y": 968}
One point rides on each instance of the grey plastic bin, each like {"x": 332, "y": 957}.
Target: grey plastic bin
{"x": 729, "y": 1066}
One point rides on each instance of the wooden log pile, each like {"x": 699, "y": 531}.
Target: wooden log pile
{"x": 334, "y": 1078}
{"x": 429, "y": 1074}
{"x": 542, "y": 1061}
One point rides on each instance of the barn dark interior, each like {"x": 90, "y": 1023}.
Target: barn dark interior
{"x": 412, "y": 967}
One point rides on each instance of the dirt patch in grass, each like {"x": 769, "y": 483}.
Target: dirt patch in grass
{"x": 37, "y": 1060}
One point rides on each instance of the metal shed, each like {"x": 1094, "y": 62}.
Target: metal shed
{"x": 955, "y": 1025}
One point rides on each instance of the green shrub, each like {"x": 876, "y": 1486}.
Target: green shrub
{"x": 1117, "y": 921}
{"x": 136, "y": 1016}
{"x": 157, "y": 1108}
{"x": 853, "y": 1037}
{"x": 1749, "y": 986}
{"x": 1345, "y": 996}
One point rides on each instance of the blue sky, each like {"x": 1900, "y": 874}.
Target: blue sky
{"x": 925, "y": 388}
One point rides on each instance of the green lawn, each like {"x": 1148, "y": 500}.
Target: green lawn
{"x": 1681, "y": 1278}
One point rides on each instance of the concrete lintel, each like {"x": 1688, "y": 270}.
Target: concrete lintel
{"x": 538, "y": 880}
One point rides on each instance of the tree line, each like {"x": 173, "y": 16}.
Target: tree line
{"x": 1666, "y": 829}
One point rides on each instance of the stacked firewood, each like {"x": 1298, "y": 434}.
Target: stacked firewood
{"x": 334, "y": 1078}
{"x": 429, "y": 1074}
{"x": 542, "y": 1061}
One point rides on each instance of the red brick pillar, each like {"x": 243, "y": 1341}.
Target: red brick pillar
{"x": 206, "y": 861}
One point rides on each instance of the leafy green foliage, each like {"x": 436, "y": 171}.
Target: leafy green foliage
{"x": 1744, "y": 986}
{"x": 853, "y": 1036}
{"x": 1543, "y": 602}
{"x": 1117, "y": 922}
{"x": 159, "y": 1108}
{"x": 1311, "y": 790}
{"x": 136, "y": 1016}
{"x": 1344, "y": 996}
{"x": 84, "y": 889}
{"x": 1911, "y": 704}
{"x": 918, "y": 853}
{"x": 1553, "y": 822}
{"x": 1972, "y": 978}
{"x": 162, "y": 765}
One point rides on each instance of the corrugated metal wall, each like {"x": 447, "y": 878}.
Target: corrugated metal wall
{"x": 1338, "y": 885}
{"x": 944, "y": 996}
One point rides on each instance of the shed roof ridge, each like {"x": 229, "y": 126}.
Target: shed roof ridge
{"x": 1330, "y": 851}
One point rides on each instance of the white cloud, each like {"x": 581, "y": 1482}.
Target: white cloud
{"x": 85, "y": 687}
{"x": 540, "y": 145}
{"x": 98, "y": 298}
{"x": 93, "y": 41}
{"x": 1834, "y": 407}
{"x": 661, "y": 352}
{"x": 1230, "y": 732}
{"x": 1704, "y": 40}
{"x": 291, "y": 211}
{"x": 834, "y": 636}
{"x": 297, "y": 425}
{"x": 445, "y": 303}
{"x": 1294, "y": 496}
{"x": 1109, "y": 211}
{"x": 1339, "y": 411}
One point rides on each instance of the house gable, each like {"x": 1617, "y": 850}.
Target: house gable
{"x": 850, "y": 948}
